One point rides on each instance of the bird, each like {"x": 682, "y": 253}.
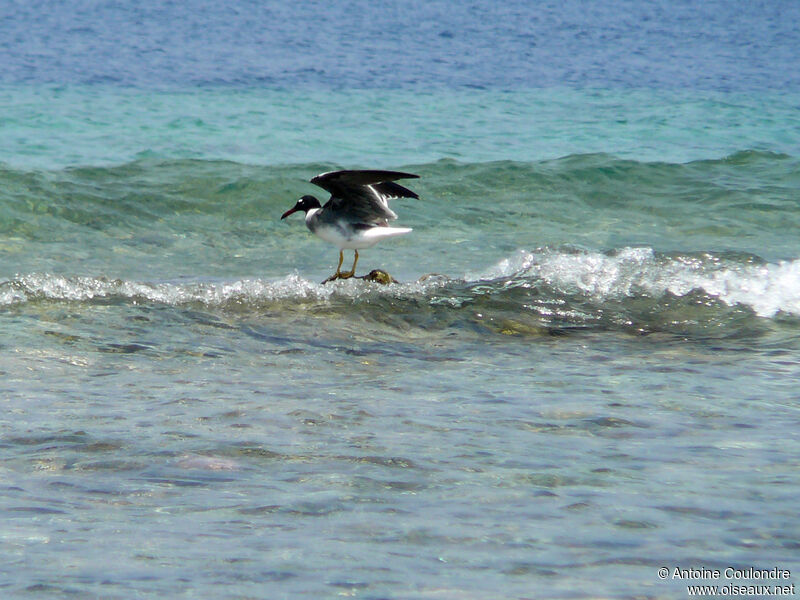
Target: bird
{"x": 357, "y": 214}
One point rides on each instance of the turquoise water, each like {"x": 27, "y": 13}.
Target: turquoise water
{"x": 50, "y": 127}
{"x": 586, "y": 372}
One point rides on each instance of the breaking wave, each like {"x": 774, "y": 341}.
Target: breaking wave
{"x": 630, "y": 288}
{"x": 766, "y": 288}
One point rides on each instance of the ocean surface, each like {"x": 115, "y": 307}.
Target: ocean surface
{"x": 588, "y": 370}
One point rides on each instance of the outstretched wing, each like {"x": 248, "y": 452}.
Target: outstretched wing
{"x": 390, "y": 190}
{"x": 363, "y": 196}
{"x": 336, "y": 180}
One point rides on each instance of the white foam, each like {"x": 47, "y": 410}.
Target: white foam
{"x": 47, "y": 286}
{"x": 766, "y": 288}
{"x": 80, "y": 289}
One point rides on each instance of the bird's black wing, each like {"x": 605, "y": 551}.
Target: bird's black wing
{"x": 362, "y": 196}
{"x": 390, "y": 189}
{"x": 335, "y": 181}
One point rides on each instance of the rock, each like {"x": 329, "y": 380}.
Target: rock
{"x": 379, "y": 276}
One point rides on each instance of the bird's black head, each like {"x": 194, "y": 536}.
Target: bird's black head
{"x": 305, "y": 204}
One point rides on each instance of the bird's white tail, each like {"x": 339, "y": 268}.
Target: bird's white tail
{"x": 378, "y": 233}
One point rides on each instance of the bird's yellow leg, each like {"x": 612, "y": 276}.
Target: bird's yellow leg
{"x": 352, "y": 271}
{"x": 338, "y": 274}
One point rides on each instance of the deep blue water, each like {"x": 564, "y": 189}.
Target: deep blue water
{"x": 715, "y": 45}
{"x": 587, "y": 372}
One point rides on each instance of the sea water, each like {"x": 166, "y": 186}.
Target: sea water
{"x": 587, "y": 371}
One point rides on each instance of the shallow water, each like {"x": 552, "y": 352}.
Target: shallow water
{"x": 586, "y": 373}
{"x": 570, "y": 420}
{"x": 423, "y": 450}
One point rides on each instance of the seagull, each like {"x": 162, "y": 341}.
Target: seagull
{"x": 357, "y": 214}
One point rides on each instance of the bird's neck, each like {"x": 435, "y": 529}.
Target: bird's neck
{"x": 311, "y": 214}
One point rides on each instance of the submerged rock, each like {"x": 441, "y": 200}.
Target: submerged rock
{"x": 379, "y": 276}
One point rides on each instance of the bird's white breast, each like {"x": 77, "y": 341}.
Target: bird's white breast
{"x": 344, "y": 236}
